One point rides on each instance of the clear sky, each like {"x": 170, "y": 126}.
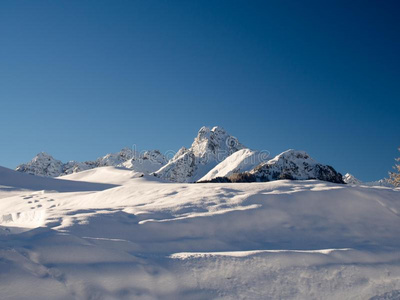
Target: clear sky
{"x": 79, "y": 79}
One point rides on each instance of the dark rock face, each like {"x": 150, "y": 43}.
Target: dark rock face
{"x": 328, "y": 173}
{"x": 318, "y": 171}
{"x": 216, "y": 180}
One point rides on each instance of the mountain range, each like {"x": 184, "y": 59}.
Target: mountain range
{"x": 44, "y": 164}
{"x": 214, "y": 156}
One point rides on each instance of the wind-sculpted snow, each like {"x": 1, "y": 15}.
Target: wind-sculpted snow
{"x": 146, "y": 239}
{"x": 210, "y": 147}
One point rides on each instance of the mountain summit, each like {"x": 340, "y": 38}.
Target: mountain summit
{"x": 42, "y": 164}
{"x": 209, "y": 148}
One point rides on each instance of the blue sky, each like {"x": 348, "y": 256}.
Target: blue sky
{"x": 79, "y": 79}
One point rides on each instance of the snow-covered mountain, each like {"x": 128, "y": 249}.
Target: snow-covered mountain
{"x": 42, "y": 164}
{"x": 350, "y": 179}
{"x": 214, "y": 155}
{"x": 294, "y": 164}
{"x": 45, "y": 165}
{"x": 241, "y": 161}
{"x": 291, "y": 164}
{"x": 210, "y": 147}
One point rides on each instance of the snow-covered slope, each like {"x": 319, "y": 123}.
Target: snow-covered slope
{"x": 143, "y": 239}
{"x": 109, "y": 175}
{"x": 45, "y": 165}
{"x": 210, "y": 147}
{"x": 293, "y": 164}
{"x": 241, "y": 161}
{"x": 16, "y": 182}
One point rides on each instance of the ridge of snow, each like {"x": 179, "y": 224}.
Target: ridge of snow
{"x": 210, "y": 147}
{"x": 241, "y": 161}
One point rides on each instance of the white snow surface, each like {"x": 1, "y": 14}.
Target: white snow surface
{"x": 111, "y": 233}
{"x": 241, "y": 161}
{"x": 209, "y": 148}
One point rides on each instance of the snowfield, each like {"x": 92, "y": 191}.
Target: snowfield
{"x": 112, "y": 233}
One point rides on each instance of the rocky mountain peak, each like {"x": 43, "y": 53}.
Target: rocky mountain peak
{"x": 210, "y": 147}
{"x": 215, "y": 142}
{"x": 42, "y": 164}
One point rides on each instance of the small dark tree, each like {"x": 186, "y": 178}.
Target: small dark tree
{"x": 395, "y": 176}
